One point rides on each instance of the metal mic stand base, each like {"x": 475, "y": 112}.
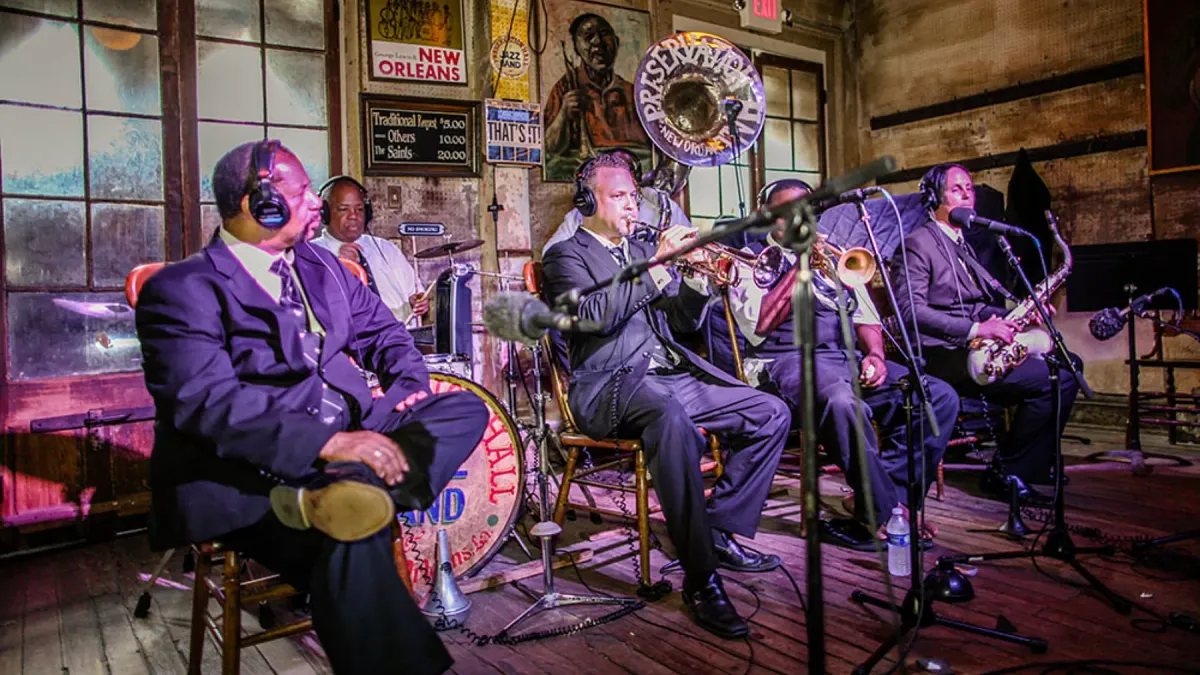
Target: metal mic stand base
{"x": 910, "y": 608}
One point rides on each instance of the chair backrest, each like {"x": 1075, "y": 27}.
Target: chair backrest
{"x": 358, "y": 270}
{"x": 559, "y": 380}
{"x": 137, "y": 277}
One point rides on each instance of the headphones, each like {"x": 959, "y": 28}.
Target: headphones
{"x": 585, "y": 199}
{"x": 769, "y": 190}
{"x": 327, "y": 210}
{"x": 266, "y": 205}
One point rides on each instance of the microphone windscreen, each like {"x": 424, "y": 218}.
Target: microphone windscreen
{"x": 1106, "y": 323}
{"x": 502, "y": 315}
{"x": 961, "y": 216}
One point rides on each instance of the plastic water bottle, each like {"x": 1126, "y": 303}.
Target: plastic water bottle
{"x": 898, "y": 542}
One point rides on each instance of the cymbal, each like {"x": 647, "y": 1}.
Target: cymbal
{"x": 448, "y": 248}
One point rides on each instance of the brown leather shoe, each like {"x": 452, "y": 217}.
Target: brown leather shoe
{"x": 345, "y": 510}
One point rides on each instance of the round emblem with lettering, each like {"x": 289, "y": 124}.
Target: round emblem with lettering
{"x": 479, "y": 505}
{"x": 515, "y": 58}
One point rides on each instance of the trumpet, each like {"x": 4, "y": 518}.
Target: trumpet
{"x": 854, "y": 266}
{"x": 724, "y": 263}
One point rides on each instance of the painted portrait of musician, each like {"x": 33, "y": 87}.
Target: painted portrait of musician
{"x": 587, "y": 75}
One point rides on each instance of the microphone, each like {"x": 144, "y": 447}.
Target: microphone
{"x": 849, "y": 197}
{"x": 1106, "y": 323}
{"x": 965, "y": 217}
{"x": 519, "y": 317}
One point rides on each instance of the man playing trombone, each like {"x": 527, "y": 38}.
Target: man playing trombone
{"x": 765, "y": 319}
{"x": 633, "y": 380}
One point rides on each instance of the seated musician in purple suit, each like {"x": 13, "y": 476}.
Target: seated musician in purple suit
{"x": 634, "y": 380}
{"x": 773, "y": 364}
{"x": 261, "y": 352}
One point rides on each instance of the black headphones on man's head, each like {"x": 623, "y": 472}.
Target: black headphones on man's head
{"x": 769, "y": 190}
{"x": 266, "y": 205}
{"x": 585, "y": 199}
{"x": 327, "y": 210}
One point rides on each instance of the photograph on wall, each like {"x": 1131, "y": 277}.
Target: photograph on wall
{"x": 586, "y": 85}
{"x": 1173, "y": 77}
{"x": 417, "y": 40}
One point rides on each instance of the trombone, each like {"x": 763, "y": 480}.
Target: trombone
{"x": 853, "y": 266}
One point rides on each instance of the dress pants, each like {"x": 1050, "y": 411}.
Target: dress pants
{"x": 1028, "y": 451}
{"x": 665, "y": 411}
{"x": 364, "y": 616}
{"x": 886, "y": 455}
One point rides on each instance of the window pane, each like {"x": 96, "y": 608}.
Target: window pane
{"x": 807, "y": 153}
{"x": 729, "y": 189}
{"x": 60, "y": 334}
{"x": 125, "y": 158}
{"x": 41, "y": 151}
{"x": 56, "y": 7}
{"x": 775, "y": 86}
{"x": 210, "y": 220}
{"x": 806, "y": 98}
{"x": 234, "y": 19}
{"x": 813, "y": 179}
{"x": 777, "y": 138}
{"x": 295, "y": 88}
{"x": 229, "y": 82}
{"x": 704, "y": 193}
{"x": 298, "y": 23}
{"x": 216, "y": 140}
{"x": 124, "y": 236}
{"x": 39, "y": 61}
{"x": 43, "y": 243}
{"x": 312, "y": 147}
{"x": 137, "y": 13}
{"x": 121, "y": 71}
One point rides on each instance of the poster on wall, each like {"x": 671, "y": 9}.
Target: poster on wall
{"x": 586, "y": 84}
{"x": 512, "y": 132}
{"x": 1173, "y": 84}
{"x": 415, "y": 40}
{"x": 510, "y": 56}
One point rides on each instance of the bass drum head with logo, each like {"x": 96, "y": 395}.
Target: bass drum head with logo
{"x": 479, "y": 506}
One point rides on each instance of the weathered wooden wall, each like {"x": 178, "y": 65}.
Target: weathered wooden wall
{"x": 909, "y": 54}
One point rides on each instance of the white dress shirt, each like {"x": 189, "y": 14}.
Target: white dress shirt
{"x": 394, "y": 275}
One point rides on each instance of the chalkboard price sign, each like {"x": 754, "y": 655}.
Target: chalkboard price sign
{"x": 419, "y": 137}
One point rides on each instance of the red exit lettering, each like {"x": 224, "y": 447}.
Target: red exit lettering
{"x": 768, "y": 9}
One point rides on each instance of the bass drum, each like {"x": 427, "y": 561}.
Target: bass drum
{"x": 480, "y": 505}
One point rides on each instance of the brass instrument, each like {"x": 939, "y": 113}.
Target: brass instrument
{"x": 725, "y": 262}
{"x": 854, "y": 266}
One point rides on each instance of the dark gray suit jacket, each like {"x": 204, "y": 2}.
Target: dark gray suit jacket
{"x": 607, "y": 367}
{"x": 946, "y": 298}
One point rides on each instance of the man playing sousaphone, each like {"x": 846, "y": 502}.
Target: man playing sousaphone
{"x": 634, "y": 380}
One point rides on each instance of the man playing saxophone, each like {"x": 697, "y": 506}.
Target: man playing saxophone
{"x": 774, "y": 365}
{"x": 955, "y": 301}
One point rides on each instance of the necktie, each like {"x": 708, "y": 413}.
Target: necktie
{"x": 289, "y": 295}
{"x": 362, "y": 260}
{"x": 618, "y": 254}
{"x": 984, "y": 278}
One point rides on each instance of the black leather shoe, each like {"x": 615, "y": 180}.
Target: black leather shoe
{"x": 995, "y": 485}
{"x": 848, "y": 533}
{"x": 712, "y": 609}
{"x": 346, "y": 510}
{"x": 731, "y": 555}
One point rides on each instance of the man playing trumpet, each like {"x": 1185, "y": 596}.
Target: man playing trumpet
{"x": 634, "y": 380}
{"x": 765, "y": 319}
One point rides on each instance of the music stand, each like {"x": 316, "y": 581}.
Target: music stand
{"x": 1112, "y": 275}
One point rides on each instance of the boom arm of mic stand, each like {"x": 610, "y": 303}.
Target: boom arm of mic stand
{"x": 1059, "y": 345}
{"x": 914, "y": 362}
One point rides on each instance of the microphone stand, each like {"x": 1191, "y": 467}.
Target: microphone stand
{"x": 944, "y": 583}
{"x": 1059, "y": 545}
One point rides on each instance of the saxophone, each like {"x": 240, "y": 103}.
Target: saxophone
{"x": 989, "y": 359}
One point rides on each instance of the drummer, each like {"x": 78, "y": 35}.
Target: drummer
{"x": 346, "y": 213}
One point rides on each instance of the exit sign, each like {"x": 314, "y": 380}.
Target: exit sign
{"x": 764, "y": 16}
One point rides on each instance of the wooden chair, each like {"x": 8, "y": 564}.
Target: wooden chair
{"x": 576, "y": 443}
{"x": 230, "y": 591}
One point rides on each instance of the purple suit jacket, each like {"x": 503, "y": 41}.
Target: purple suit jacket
{"x": 237, "y": 404}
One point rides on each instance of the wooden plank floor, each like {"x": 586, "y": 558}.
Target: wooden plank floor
{"x": 72, "y": 611}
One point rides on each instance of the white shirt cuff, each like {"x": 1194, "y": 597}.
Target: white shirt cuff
{"x": 974, "y": 331}
{"x": 660, "y": 276}
{"x": 699, "y": 283}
